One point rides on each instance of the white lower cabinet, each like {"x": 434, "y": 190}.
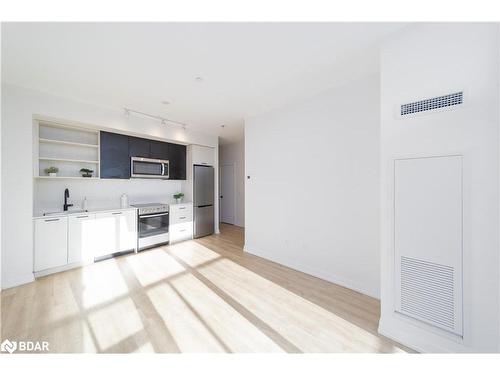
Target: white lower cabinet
{"x": 117, "y": 231}
{"x": 127, "y": 230}
{"x": 51, "y": 243}
{"x": 181, "y": 222}
{"x": 106, "y": 232}
{"x": 80, "y": 238}
{"x": 82, "y": 235}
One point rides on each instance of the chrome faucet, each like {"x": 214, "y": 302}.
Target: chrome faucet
{"x": 66, "y": 196}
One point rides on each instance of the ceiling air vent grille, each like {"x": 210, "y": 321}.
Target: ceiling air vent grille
{"x": 431, "y": 104}
{"x": 427, "y": 292}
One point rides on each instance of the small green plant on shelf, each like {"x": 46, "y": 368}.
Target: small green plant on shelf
{"x": 178, "y": 197}
{"x": 51, "y": 171}
{"x": 86, "y": 172}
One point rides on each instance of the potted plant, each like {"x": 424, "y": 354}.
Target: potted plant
{"x": 52, "y": 171}
{"x": 178, "y": 197}
{"x": 86, "y": 172}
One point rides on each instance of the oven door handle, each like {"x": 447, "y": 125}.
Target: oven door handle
{"x": 153, "y": 215}
{"x": 163, "y": 169}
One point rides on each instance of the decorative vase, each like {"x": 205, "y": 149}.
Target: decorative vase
{"x": 52, "y": 174}
{"x": 178, "y": 200}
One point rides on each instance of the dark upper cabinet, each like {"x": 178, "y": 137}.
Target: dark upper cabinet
{"x": 177, "y": 161}
{"x": 115, "y": 162}
{"x": 159, "y": 150}
{"x": 139, "y": 147}
{"x": 116, "y": 150}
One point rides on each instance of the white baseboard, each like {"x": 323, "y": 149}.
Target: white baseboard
{"x": 25, "y": 279}
{"x": 66, "y": 267}
{"x": 322, "y": 274}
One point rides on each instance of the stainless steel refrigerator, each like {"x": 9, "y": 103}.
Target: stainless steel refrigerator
{"x": 203, "y": 200}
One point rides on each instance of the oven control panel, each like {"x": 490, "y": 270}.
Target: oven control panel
{"x": 148, "y": 210}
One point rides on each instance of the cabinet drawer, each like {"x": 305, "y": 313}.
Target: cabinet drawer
{"x": 182, "y": 217}
{"x": 181, "y": 213}
{"x": 180, "y": 232}
{"x": 181, "y": 208}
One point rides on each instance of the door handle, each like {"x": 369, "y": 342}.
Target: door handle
{"x": 221, "y": 197}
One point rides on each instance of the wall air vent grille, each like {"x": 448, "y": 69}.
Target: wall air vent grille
{"x": 427, "y": 292}
{"x": 431, "y": 104}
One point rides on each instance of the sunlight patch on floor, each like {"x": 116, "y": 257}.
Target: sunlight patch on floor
{"x": 305, "y": 324}
{"x": 193, "y": 253}
{"x": 97, "y": 289}
{"x": 145, "y": 348}
{"x": 72, "y": 336}
{"x": 114, "y": 323}
{"x": 152, "y": 266}
{"x": 187, "y": 330}
{"x": 223, "y": 320}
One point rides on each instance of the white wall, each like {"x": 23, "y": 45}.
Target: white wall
{"x": 424, "y": 61}
{"x": 18, "y": 107}
{"x": 48, "y": 194}
{"x": 312, "y": 198}
{"x": 234, "y": 153}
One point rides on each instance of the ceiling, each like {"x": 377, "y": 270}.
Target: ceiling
{"x": 245, "y": 68}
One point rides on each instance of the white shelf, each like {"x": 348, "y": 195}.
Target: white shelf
{"x": 70, "y": 160}
{"x": 54, "y": 141}
{"x": 54, "y": 124}
{"x": 68, "y": 177}
{"x": 66, "y": 147}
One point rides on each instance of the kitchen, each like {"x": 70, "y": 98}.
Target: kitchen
{"x": 358, "y": 217}
{"x": 79, "y": 219}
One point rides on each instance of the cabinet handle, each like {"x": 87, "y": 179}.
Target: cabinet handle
{"x": 82, "y": 217}
{"x": 116, "y": 213}
{"x": 182, "y": 230}
{"x": 182, "y": 217}
{"x": 51, "y": 220}
{"x": 182, "y": 208}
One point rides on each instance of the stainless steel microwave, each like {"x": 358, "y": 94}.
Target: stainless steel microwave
{"x": 148, "y": 168}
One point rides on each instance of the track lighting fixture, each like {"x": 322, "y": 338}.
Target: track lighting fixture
{"x": 164, "y": 121}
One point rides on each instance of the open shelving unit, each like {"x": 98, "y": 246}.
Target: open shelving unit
{"x": 67, "y": 147}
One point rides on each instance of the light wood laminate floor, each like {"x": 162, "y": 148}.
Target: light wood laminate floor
{"x": 205, "y": 295}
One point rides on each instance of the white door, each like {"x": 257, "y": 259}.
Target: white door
{"x": 428, "y": 240}
{"x": 227, "y": 194}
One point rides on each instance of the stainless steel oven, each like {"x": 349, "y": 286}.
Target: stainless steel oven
{"x": 153, "y": 222}
{"x": 149, "y": 168}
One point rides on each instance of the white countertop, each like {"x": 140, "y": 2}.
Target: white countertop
{"x": 176, "y": 204}
{"x": 39, "y": 215}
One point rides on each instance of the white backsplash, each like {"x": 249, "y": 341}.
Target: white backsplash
{"x": 49, "y": 194}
